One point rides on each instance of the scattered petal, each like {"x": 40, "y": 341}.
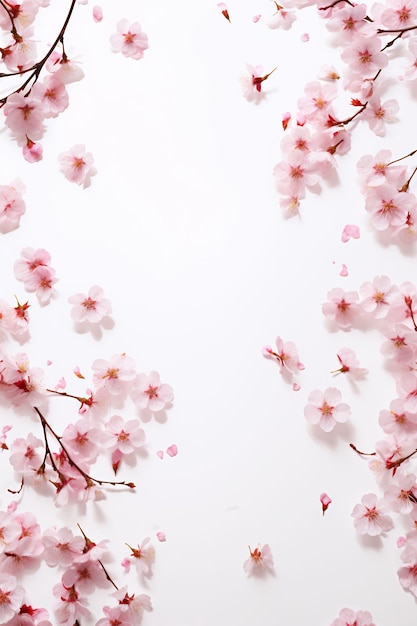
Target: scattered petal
{"x": 223, "y": 9}
{"x": 256, "y": 18}
{"x": 344, "y": 270}
{"x": 296, "y": 387}
{"x": 172, "y": 450}
{"x": 305, "y": 37}
{"x": 350, "y": 230}
{"x": 160, "y": 453}
{"x": 97, "y": 14}
{"x": 161, "y": 536}
{"x": 77, "y": 372}
{"x": 285, "y": 120}
{"x": 401, "y": 541}
{"x": 61, "y": 384}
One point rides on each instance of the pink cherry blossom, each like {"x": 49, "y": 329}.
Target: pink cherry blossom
{"x": 11, "y": 597}
{"x": 115, "y": 375}
{"x": 325, "y": 408}
{"x": 77, "y": 165}
{"x": 377, "y": 296}
{"x": 12, "y": 205}
{"x": 401, "y": 494}
{"x": 342, "y": 307}
{"x": 397, "y": 420}
{"x": 388, "y": 207}
{"x": 32, "y": 152}
{"x": 52, "y": 94}
{"x": 91, "y": 307}
{"x": 150, "y": 393}
{"x": 65, "y": 69}
{"x": 260, "y": 561}
{"x": 129, "y": 39}
{"x": 377, "y": 114}
{"x": 24, "y": 117}
{"x": 348, "y": 617}
{"x": 286, "y": 354}
{"x": 24, "y": 457}
{"x": 399, "y": 14}
{"x": 369, "y": 518}
{"x": 282, "y": 18}
{"x": 143, "y": 557}
{"x": 251, "y": 82}
{"x": 29, "y": 261}
{"x": 364, "y": 56}
{"x": 349, "y": 364}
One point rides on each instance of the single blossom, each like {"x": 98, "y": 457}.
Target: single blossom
{"x": 260, "y": 561}
{"x": 77, "y": 165}
{"x": 325, "y": 408}
{"x": 129, "y": 39}
{"x": 369, "y": 516}
{"x": 348, "y": 617}
{"x": 150, "y": 393}
{"x": 91, "y": 307}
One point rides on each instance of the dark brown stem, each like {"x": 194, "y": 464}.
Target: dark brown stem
{"x": 37, "y": 68}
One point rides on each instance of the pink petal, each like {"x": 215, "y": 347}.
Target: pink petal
{"x": 344, "y": 270}
{"x": 161, "y": 536}
{"x": 160, "y": 454}
{"x": 305, "y": 37}
{"x": 350, "y": 230}
{"x": 256, "y": 18}
{"x": 296, "y": 387}
{"x": 172, "y": 450}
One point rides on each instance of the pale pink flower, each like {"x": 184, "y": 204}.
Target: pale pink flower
{"x": 65, "y": 69}
{"x": 374, "y": 171}
{"x": 150, "y": 393}
{"x": 364, "y": 56}
{"x": 400, "y": 346}
{"x": 82, "y": 440}
{"x": 260, "y": 561}
{"x": 77, "y": 165}
{"x": 342, "y": 307}
{"x": 143, "y": 557}
{"x": 114, "y": 615}
{"x": 325, "y": 408}
{"x": 347, "y": 21}
{"x": 377, "y": 114}
{"x": 12, "y": 205}
{"x": 286, "y": 355}
{"x": 24, "y": 117}
{"x": 85, "y": 577}
{"x": 401, "y": 494}
{"x": 377, "y": 296}
{"x": 29, "y": 261}
{"x": 411, "y": 68}
{"x": 397, "y": 420}
{"x": 129, "y": 39}
{"x": 407, "y": 390}
{"x": 282, "y": 18}
{"x": 369, "y": 518}
{"x": 388, "y": 207}
{"x": 347, "y": 617}
{"x": 90, "y": 307}
{"x": 133, "y": 605}
{"x": 24, "y": 457}
{"x": 251, "y": 82}
{"x": 329, "y": 73}
{"x": 349, "y": 365}
{"x": 11, "y": 597}
{"x": 41, "y": 281}
{"x": 317, "y": 99}
{"x": 400, "y": 14}
{"x": 61, "y": 547}
{"x": 71, "y": 607}
{"x": 32, "y": 152}
{"x": 114, "y": 375}
{"x": 53, "y": 95}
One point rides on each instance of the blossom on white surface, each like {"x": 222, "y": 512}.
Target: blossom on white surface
{"x": 77, "y": 165}
{"x": 369, "y": 516}
{"x": 130, "y": 40}
{"x": 90, "y": 307}
{"x": 260, "y": 561}
{"x": 150, "y": 393}
{"x": 325, "y": 408}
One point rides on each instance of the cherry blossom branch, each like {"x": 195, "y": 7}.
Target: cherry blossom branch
{"x": 90, "y": 544}
{"x": 37, "y": 67}
{"x": 88, "y": 479}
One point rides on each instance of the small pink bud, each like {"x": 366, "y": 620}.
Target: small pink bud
{"x": 285, "y": 120}
{"x": 325, "y": 501}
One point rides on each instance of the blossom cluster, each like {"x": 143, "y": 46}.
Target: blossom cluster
{"x": 320, "y": 133}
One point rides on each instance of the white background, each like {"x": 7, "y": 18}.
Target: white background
{"x": 183, "y": 230}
